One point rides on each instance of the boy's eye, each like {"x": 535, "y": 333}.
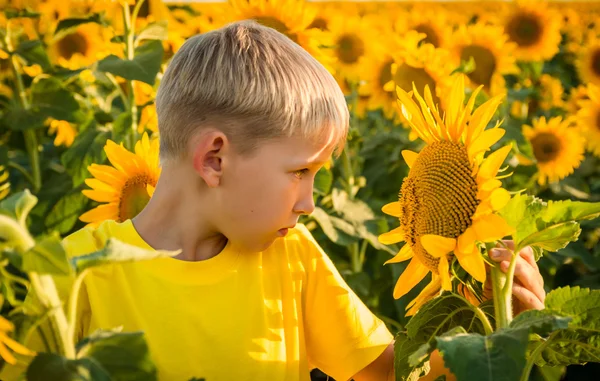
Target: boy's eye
{"x": 300, "y": 173}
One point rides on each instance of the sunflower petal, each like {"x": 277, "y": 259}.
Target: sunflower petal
{"x": 17, "y": 347}
{"x": 426, "y": 294}
{"x": 443, "y": 269}
{"x": 101, "y": 213}
{"x": 411, "y": 276}
{"x": 466, "y": 241}
{"x": 491, "y": 227}
{"x": 490, "y": 166}
{"x": 473, "y": 263}
{"x": 485, "y": 141}
{"x": 404, "y": 254}
{"x": 393, "y": 209}
{"x": 6, "y": 355}
{"x": 100, "y": 196}
{"x": 499, "y": 198}
{"x": 409, "y": 157}
{"x": 393, "y": 236}
{"x": 438, "y": 246}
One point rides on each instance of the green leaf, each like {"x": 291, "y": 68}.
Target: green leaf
{"x": 121, "y": 126}
{"x": 65, "y": 213}
{"x": 403, "y": 349}
{"x": 51, "y": 99}
{"x": 87, "y": 148}
{"x": 323, "y": 182}
{"x": 357, "y": 211}
{"x": 550, "y": 226}
{"x": 116, "y": 251}
{"x": 123, "y": 355}
{"x": 18, "y": 206}
{"x": 33, "y": 52}
{"x": 370, "y": 230}
{"x": 144, "y": 66}
{"x": 68, "y": 25}
{"x": 50, "y": 366}
{"x": 47, "y": 257}
{"x": 497, "y": 357}
{"x": 21, "y": 13}
{"x": 540, "y": 322}
{"x": 331, "y": 225}
{"x": 154, "y": 31}
{"x": 339, "y": 198}
{"x": 19, "y": 119}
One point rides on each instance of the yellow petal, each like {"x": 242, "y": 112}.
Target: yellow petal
{"x": 428, "y": 292}
{"x": 404, "y": 254}
{"x": 499, "y": 198}
{"x": 17, "y": 347}
{"x": 491, "y": 227}
{"x": 393, "y": 236}
{"x": 436, "y": 245}
{"x": 6, "y": 355}
{"x": 443, "y": 269}
{"x": 466, "y": 241}
{"x": 411, "y": 276}
{"x": 150, "y": 189}
{"x": 490, "y": 166}
{"x": 490, "y": 185}
{"x": 409, "y": 157}
{"x": 393, "y": 209}
{"x": 101, "y": 213}
{"x": 481, "y": 117}
{"x": 485, "y": 141}
{"x": 6, "y": 325}
{"x": 101, "y": 196}
{"x": 99, "y": 185}
{"x": 473, "y": 263}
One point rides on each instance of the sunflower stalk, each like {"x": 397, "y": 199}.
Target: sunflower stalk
{"x": 31, "y": 142}
{"x": 129, "y": 19}
{"x": 502, "y": 291}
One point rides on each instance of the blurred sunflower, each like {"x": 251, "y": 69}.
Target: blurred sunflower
{"x": 449, "y": 198}
{"x": 551, "y": 92}
{"x": 4, "y": 184}
{"x": 588, "y": 61}
{"x": 144, "y": 99}
{"x": 127, "y": 185}
{"x": 353, "y": 38}
{"x": 588, "y": 119}
{"x": 534, "y": 28}
{"x": 558, "y": 148}
{"x": 423, "y": 19}
{"x": 492, "y": 53}
{"x": 65, "y": 132}
{"x": 576, "y": 95}
{"x": 290, "y": 17}
{"x": 374, "y": 84}
{"x": 7, "y": 343}
{"x": 82, "y": 47}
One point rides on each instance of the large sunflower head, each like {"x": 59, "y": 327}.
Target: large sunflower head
{"x": 124, "y": 188}
{"x": 489, "y": 48}
{"x": 82, "y": 47}
{"x": 534, "y": 28}
{"x": 588, "y": 61}
{"x": 558, "y": 148}
{"x": 448, "y": 200}
{"x": 588, "y": 119}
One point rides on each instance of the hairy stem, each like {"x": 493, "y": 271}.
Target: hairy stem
{"x": 502, "y": 290}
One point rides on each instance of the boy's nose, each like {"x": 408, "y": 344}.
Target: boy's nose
{"x": 306, "y": 205}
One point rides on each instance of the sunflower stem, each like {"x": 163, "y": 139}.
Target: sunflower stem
{"x": 487, "y": 326}
{"x": 502, "y": 291}
{"x": 31, "y": 142}
{"x": 129, "y": 24}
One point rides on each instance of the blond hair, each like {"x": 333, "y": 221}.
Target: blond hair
{"x": 251, "y": 82}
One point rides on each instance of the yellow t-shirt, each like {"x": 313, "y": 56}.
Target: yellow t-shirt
{"x": 271, "y": 315}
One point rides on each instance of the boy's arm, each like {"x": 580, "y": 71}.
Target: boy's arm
{"x": 528, "y": 291}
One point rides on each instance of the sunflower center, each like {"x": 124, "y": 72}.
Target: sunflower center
{"x": 439, "y": 196}
{"x": 71, "y": 44}
{"x": 524, "y": 29}
{"x": 596, "y": 62}
{"x": 319, "y": 23}
{"x": 406, "y": 75}
{"x": 485, "y": 64}
{"x": 134, "y": 197}
{"x": 431, "y": 36}
{"x": 350, "y": 48}
{"x": 276, "y": 24}
{"x": 546, "y": 147}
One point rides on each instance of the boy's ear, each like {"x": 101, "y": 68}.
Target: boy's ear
{"x": 209, "y": 152}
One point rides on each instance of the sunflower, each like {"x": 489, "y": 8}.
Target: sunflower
{"x": 449, "y": 198}
{"x": 534, "y": 28}
{"x": 588, "y": 119}
{"x": 493, "y": 55}
{"x": 82, "y": 47}
{"x": 7, "y": 343}
{"x": 127, "y": 185}
{"x": 576, "y": 96}
{"x": 65, "y": 132}
{"x": 557, "y": 147}
{"x": 374, "y": 84}
{"x": 588, "y": 61}
{"x": 423, "y": 19}
{"x": 353, "y": 41}
{"x": 290, "y": 17}
{"x": 4, "y": 184}
{"x": 551, "y": 92}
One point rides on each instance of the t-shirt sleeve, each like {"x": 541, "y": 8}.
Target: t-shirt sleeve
{"x": 342, "y": 335}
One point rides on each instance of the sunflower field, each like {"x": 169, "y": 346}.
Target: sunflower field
{"x": 470, "y": 122}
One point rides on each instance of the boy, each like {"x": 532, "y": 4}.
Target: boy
{"x": 246, "y": 119}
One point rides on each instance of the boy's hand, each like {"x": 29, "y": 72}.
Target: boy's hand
{"x": 528, "y": 287}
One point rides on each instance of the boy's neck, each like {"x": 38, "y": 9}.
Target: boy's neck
{"x": 171, "y": 222}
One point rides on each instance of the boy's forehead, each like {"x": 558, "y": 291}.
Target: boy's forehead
{"x": 305, "y": 149}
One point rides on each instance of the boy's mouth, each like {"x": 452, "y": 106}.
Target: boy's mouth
{"x": 282, "y": 232}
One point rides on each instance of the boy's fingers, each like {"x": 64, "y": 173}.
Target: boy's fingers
{"x": 527, "y": 298}
{"x": 499, "y": 255}
{"x": 508, "y": 243}
{"x": 527, "y": 254}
